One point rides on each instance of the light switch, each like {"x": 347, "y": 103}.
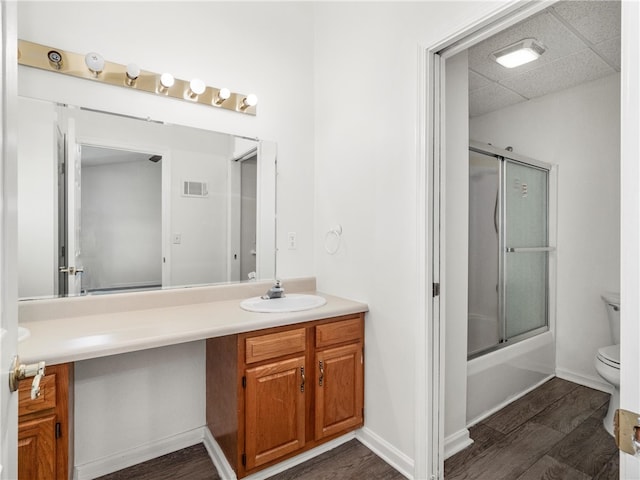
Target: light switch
{"x": 292, "y": 242}
{"x": 177, "y": 238}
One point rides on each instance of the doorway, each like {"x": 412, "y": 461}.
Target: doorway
{"x": 437, "y": 137}
{"x": 120, "y": 213}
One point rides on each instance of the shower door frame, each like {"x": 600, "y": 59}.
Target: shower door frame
{"x": 504, "y": 156}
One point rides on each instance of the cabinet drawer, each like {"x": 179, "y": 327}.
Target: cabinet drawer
{"x": 274, "y": 345}
{"x": 46, "y": 400}
{"x": 338, "y": 332}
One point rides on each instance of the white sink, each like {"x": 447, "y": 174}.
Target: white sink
{"x": 291, "y": 302}
{"x": 23, "y": 333}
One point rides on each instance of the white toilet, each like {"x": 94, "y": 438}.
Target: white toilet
{"x": 608, "y": 358}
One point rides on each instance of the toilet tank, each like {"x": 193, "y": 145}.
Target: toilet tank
{"x": 612, "y": 302}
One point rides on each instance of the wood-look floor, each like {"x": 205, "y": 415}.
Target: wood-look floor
{"x": 350, "y": 461}
{"x": 553, "y": 432}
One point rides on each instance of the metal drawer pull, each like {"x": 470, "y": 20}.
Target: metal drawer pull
{"x": 321, "y": 379}
{"x": 303, "y": 379}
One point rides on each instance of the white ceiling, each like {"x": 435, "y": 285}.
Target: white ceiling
{"x": 94, "y": 156}
{"x": 582, "y": 40}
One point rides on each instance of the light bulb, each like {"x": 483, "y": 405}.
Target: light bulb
{"x": 94, "y": 62}
{"x": 133, "y": 72}
{"x": 249, "y": 101}
{"x": 223, "y": 94}
{"x": 167, "y": 80}
{"x": 55, "y": 59}
{"x": 196, "y": 87}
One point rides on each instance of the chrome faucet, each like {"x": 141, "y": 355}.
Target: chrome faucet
{"x": 276, "y": 291}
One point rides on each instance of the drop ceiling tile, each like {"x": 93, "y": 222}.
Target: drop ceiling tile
{"x": 567, "y": 72}
{"x": 477, "y": 81}
{"x": 596, "y": 20}
{"x": 611, "y": 50}
{"x": 544, "y": 27}
{"x": 490, "y": 98}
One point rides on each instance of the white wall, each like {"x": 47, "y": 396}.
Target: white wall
{"x": 121, "y": 224}
{"x": 126, "y": 402}
{"x": 37, "y": 178}
{"x": 201, "y": 222}
{"x": 579, "y": 130}
{"x": 367, "y": 72}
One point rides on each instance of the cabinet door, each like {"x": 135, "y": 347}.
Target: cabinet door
{"x": 274, "y": 411}
{"x": 37, "y": 449}
{"x": 339, "y": 389}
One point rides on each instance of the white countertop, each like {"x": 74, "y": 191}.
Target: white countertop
{"x": 79, "y": 337}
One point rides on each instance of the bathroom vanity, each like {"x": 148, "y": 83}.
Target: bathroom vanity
{"x": 310, "y": 361}
{"x": 277, "y": 392}
{"x": 45, "y": 426}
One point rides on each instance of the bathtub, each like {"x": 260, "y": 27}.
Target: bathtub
{"x": 500, "y": 377}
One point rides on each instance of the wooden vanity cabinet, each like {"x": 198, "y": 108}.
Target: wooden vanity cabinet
{"x": 339, "y": 362}
{"x": 274, "y": 393}
{"x": 45, "y": 430}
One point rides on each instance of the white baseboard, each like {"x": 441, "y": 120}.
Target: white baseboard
{"x": 390, "y": 454}
{"x": 226, "y": 472}
{"x": 596, "y": 383}
{"x": 133, "y": 456}
{"x": 217, "y": 457}
{"x": 456, "y": 442}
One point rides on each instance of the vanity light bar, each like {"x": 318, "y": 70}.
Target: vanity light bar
{"x": 55, "y": 60}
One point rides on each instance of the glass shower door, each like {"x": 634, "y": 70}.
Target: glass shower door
{"x": 483, "y": 323}
{"x": 526, "y": 249}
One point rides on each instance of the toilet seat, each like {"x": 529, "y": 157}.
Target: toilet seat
{"x": 610, "y": 356}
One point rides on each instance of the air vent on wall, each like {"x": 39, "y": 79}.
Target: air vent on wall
{"x": 194, "y": 189}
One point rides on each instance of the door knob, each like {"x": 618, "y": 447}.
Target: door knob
{"x": 20, "y": 371}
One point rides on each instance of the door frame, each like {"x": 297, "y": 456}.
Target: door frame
{"x": 630, "y": 221}
{"x": 8, "y": 238}
{"x": 85, "y": 140}
{"x": 429, "y": 441}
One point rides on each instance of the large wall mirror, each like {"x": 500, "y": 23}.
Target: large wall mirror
{"x": 108, "y": 203}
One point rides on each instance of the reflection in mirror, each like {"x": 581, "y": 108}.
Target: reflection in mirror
{"x": 108, "y": 203}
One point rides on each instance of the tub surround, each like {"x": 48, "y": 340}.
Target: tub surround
{"x": 81, "y": 328}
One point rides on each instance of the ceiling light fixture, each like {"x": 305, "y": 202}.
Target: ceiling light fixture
{"x": 519, "y": 53}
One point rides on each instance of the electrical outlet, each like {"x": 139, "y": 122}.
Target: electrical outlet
{"x": 292, "y": 242}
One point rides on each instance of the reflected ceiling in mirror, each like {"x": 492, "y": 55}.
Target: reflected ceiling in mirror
{"x": 111, "y": 204}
